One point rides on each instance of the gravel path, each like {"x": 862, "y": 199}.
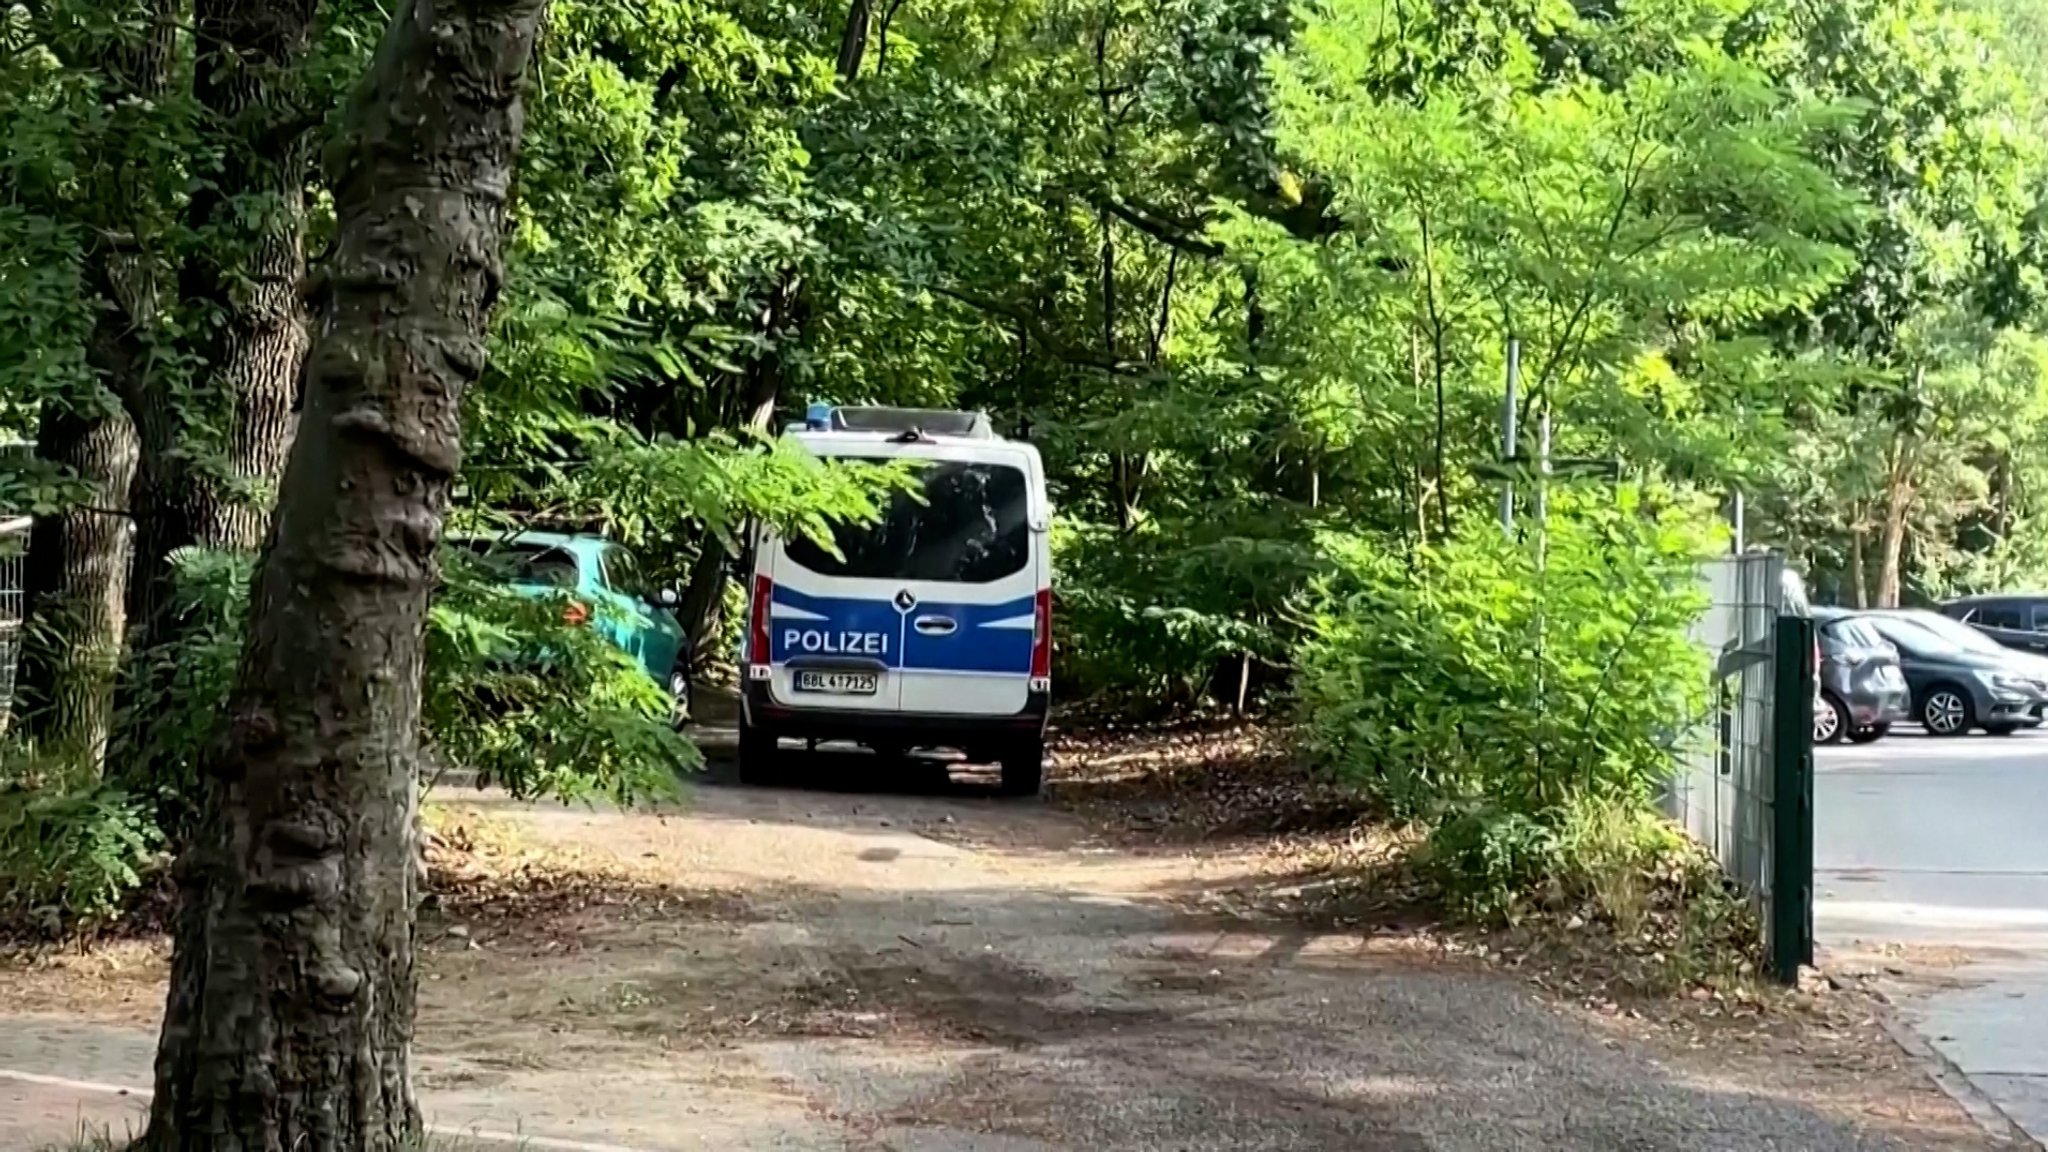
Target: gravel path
{"x": 826, "y": 970}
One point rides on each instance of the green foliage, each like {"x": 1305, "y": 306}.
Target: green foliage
{"x": 511, "y": 691}
{"x": 539, "y": 706}
{"x": 71, "y": 849}
{"x": 1468, "y": 671}
{"x": 1615, "y": 860}
{"x": 179, "y": 692}
{"x": 1149, "y": 615}
{"x": 1248, "y": 271}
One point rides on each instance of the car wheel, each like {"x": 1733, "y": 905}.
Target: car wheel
{"x": 760, "y": 756}
{"x": 1023, "y": 766}
{"x": 1945, "y": 711}
{"x": 1869, "y": 734}
{"x": 1830, "y": 720}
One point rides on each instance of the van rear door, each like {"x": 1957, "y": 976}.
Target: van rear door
{"x": 944, "y": 589}
{"x": 835, "y": 641}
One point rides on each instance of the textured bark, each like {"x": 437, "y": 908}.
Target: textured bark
{"x": 853, "y": 39}
{"x": 77, "y": 574}
{"x": 78, "y": 566}
{"x": 247, "y": 276}
{"x": 1892, "y": 543}
{"x": 290, "y": 1017}
{"x": 1859, "y": 584}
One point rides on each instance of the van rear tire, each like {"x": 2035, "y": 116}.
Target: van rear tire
{"x": 760, "y": 757}
{"x": 1023, "y": 767}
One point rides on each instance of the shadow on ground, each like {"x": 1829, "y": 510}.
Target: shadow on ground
{"x": 1059, "y": 1017}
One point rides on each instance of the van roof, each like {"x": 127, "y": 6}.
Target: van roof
{"x": 933, "y": 423}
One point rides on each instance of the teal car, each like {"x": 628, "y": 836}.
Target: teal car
{"x": 604, "y": 585}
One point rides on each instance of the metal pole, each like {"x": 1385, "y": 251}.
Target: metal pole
{"x": 1740, "y": 514}
{"x": 1507, "y": 432}
{"x": 1789, "y": 928}
{"x": 1543, "y": 469}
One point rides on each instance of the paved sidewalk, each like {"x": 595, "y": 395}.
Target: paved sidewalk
{"x": 1939, "y": 844}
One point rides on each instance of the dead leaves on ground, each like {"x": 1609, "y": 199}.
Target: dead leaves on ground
{"x": 486, "y": 887}
{"x": 1323, "y": 860}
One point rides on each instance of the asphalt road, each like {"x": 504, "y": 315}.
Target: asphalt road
{"x": 1943, "y": 845}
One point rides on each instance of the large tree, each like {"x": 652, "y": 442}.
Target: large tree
{"x": 92, "y": 168}
{"x": 290, "y": 1018}
{"x": 212, "y": 453}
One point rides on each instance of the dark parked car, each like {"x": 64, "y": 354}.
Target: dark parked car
{"x": 2032, "y": 664}
{"x": 1862, "y": 688}
{"x": 2016, "y": 620}
{"x": 1956, "y": 687}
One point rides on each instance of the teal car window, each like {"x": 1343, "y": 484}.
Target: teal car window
{"x": 518, "y": 563}
{"x": 622, "y": 572}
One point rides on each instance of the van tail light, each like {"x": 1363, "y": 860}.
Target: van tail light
{"x": 576, "y": 612}
{"x": 1041, "y": 641}
{"x": 757, "y": 622}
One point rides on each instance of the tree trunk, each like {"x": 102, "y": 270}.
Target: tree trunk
{"x": 1859, "y": 581}
{"x": 290, "y": 1018}
{"x": 853, "y": 40}
{"x": 1892, "y": 545}
{"x": 78, "y": 564}
{"x": 77, "y": 575}
{"x": 247, "y": 277}
{"x": 1900, "y": 464}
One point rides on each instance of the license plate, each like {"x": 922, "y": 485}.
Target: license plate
{"x": 838, "y": 683}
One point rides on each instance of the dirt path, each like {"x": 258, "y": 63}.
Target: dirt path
{"x": 819, "y": 970}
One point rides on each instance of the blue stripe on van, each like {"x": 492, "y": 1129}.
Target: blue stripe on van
{"x": 990, "y": 639}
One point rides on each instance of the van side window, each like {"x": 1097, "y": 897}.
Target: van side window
{"x": 968, "y": 525}
{"x": 2040, "y": 612}
{"x": 2000, "y": 616}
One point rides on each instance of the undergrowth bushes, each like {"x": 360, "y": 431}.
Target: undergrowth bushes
{"x": 1525, "y": 709}
{"x": 511, "y": 691}
{"x": 71, "y": 849}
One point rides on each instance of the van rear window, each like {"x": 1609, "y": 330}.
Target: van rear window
{"x": 971, "y": 527}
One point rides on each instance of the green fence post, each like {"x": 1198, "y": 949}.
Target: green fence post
{"x": 1790, "y": 932}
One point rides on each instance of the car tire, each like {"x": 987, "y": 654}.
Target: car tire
{"x": 1869, "y": 734}
{"x": 1831, "y": 721}
{"x": 760, "y": 756}
{"x": 1945, "y": 711}
{"x": 1023, "y": 767}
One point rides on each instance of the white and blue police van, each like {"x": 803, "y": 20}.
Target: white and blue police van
{"x": 930, "y": 628}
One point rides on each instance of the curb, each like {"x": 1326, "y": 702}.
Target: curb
{"x": 1944, "y": 1072}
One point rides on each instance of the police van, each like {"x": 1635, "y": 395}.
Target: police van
{"x": 929, "y": 628}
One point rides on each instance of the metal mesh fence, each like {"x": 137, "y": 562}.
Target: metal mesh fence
{"x": 13, "y": 575}
{"x": 1723, "y": 797}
